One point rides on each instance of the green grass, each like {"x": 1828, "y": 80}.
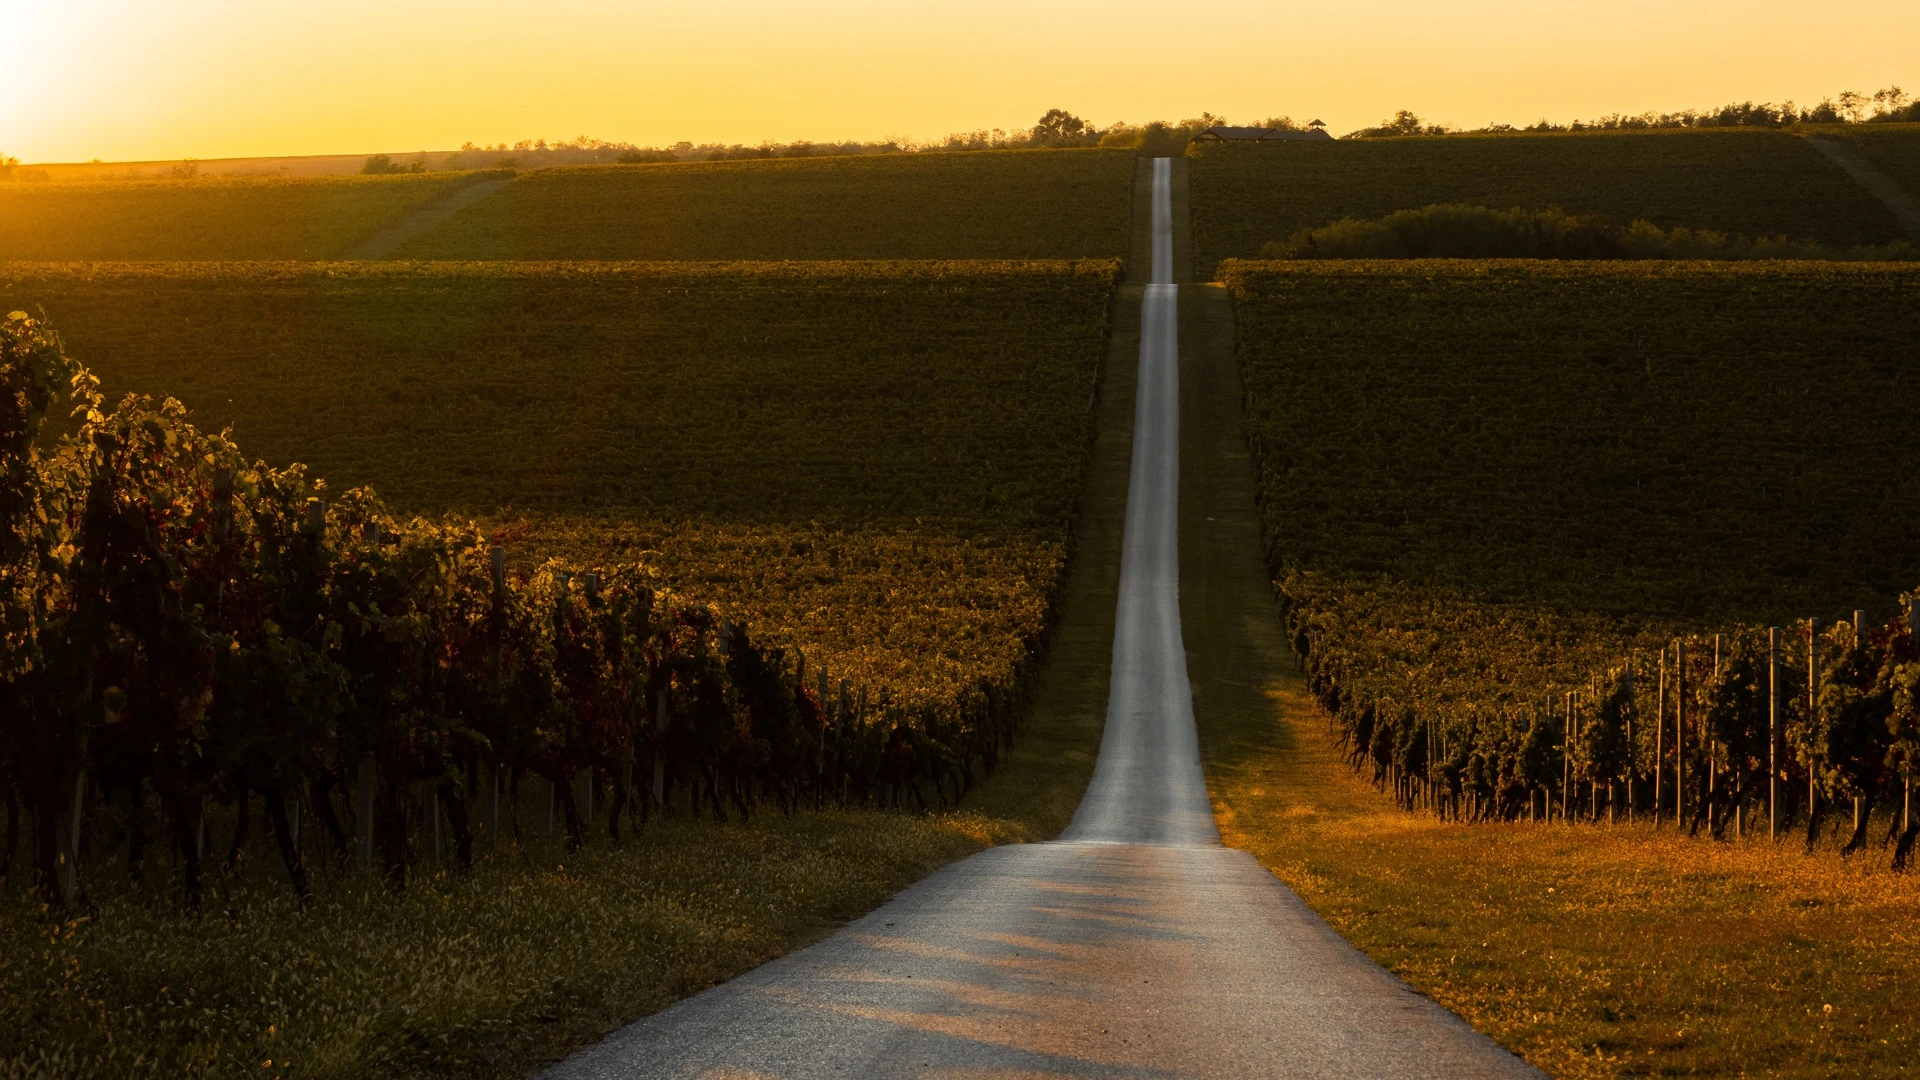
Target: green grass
{"x": 880, "y": 466}
{"x": 236, "y": 218}
{"x": 1748, "y": 183}
{"x": 989, "y": 205}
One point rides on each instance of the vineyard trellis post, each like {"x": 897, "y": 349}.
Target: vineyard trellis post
{"x": 67, "y": 841}
{"x": 363, "y": 811}
{"x": 1859, "y": 624}
{"x": 1633, "y": 758}
{"x": 1773, "y": 733}
{"x": 1660, "y": 740}
{"x": 1913, "y": 637}
{"x": 1566, "y": 760}
{"x": 1711, "y": 744}
{"x": 1680, "y": 734}
{"x": 1813, "y": 704}
{"x": 433, "y": 815}
{"x": 659, "y": 743}
{"x": 497, "y": 571}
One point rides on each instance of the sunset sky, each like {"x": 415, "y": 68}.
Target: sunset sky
{"x": 163, "y": 79}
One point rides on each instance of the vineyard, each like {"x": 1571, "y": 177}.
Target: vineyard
{"x": 1024, "y": 204}
{"x": 1895, "y": 148}
{"x": 241, "y": 637}
{"x": 1538, "y": 545}
{"x": 236, "y": 218}
{"x": 809, "y": 469}
{"x": 722, "y": 568}
{"x": 1753, "y": 184}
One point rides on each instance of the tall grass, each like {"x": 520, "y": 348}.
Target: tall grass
{"x": 485, "y": 973}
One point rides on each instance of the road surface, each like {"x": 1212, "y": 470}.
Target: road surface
{"x": 1134, "y": 946}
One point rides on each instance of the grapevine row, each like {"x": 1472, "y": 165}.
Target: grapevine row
{"x": 1753, "y": 729}
{"x": 184, "y": 627}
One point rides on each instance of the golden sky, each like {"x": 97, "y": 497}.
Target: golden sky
{"x": 163, "y": 79}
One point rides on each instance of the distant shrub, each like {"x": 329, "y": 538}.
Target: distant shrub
{"x": 384, "y": 165}
{"x": 1456, "y": 231}
{"x": 644, "y": 157}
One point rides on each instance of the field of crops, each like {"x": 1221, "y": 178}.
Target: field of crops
{"x": 1748, "y": 183}
{"x": 1486, "y": 485}
{"x": 1893, "y": 147}
{"x": 231, "y": 218}
{"x": 874, "y": 476}
{"x": 810, "y": 464}
{"x": 1024, "y": 204}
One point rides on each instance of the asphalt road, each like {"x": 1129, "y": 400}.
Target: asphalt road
{"x": 1134, "y": 946}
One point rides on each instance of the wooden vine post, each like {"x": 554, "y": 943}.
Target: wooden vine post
{"x": 1773, "y": 733}
{"x": 490, "y": 810}
{"x": 363, "y": 811}
{"x": 1632, "y": 757}
{"x": 1660, "y": 740}
{"x": 1906, "y": 805}
{"x": 1680, "y": 734}
{"x": 1566, "y": 760}
{"x": 1859, "y": 623}
{"x": 1813, "y": 705}
{"x": 1712, "y": 746}
{"x": 659, "y": 754}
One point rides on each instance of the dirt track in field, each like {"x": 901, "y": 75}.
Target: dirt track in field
{"x": 389, "y": 239}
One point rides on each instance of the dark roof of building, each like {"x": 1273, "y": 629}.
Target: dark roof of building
{"x": 1258, "y": 134}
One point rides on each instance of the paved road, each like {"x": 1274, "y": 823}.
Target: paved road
{"x": 1135, "y": 946}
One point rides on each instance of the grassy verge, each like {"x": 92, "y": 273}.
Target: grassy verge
{"x": 1590, "y": 951}
{"x": 536, "y": 952}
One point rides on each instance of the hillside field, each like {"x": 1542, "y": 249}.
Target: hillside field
{"x": 225, "y": 218}
{"x": 1482, "y": 485}
{"x": 1508, "y": 476}
{"x": 1017, "y": 204}
{"x": 1893, "y": 147}
{"x": 880, "y": 464}
{"x": 1748, "y": 183}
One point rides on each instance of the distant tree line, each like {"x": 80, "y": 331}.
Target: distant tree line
{"x": 1056, "y": 128}
{"x": 1889, "y": 106}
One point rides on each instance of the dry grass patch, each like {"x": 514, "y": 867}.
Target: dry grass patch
{"x": 1590, "y": 951}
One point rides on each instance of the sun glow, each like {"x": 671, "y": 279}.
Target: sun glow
{"x": 211, "y": 78}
